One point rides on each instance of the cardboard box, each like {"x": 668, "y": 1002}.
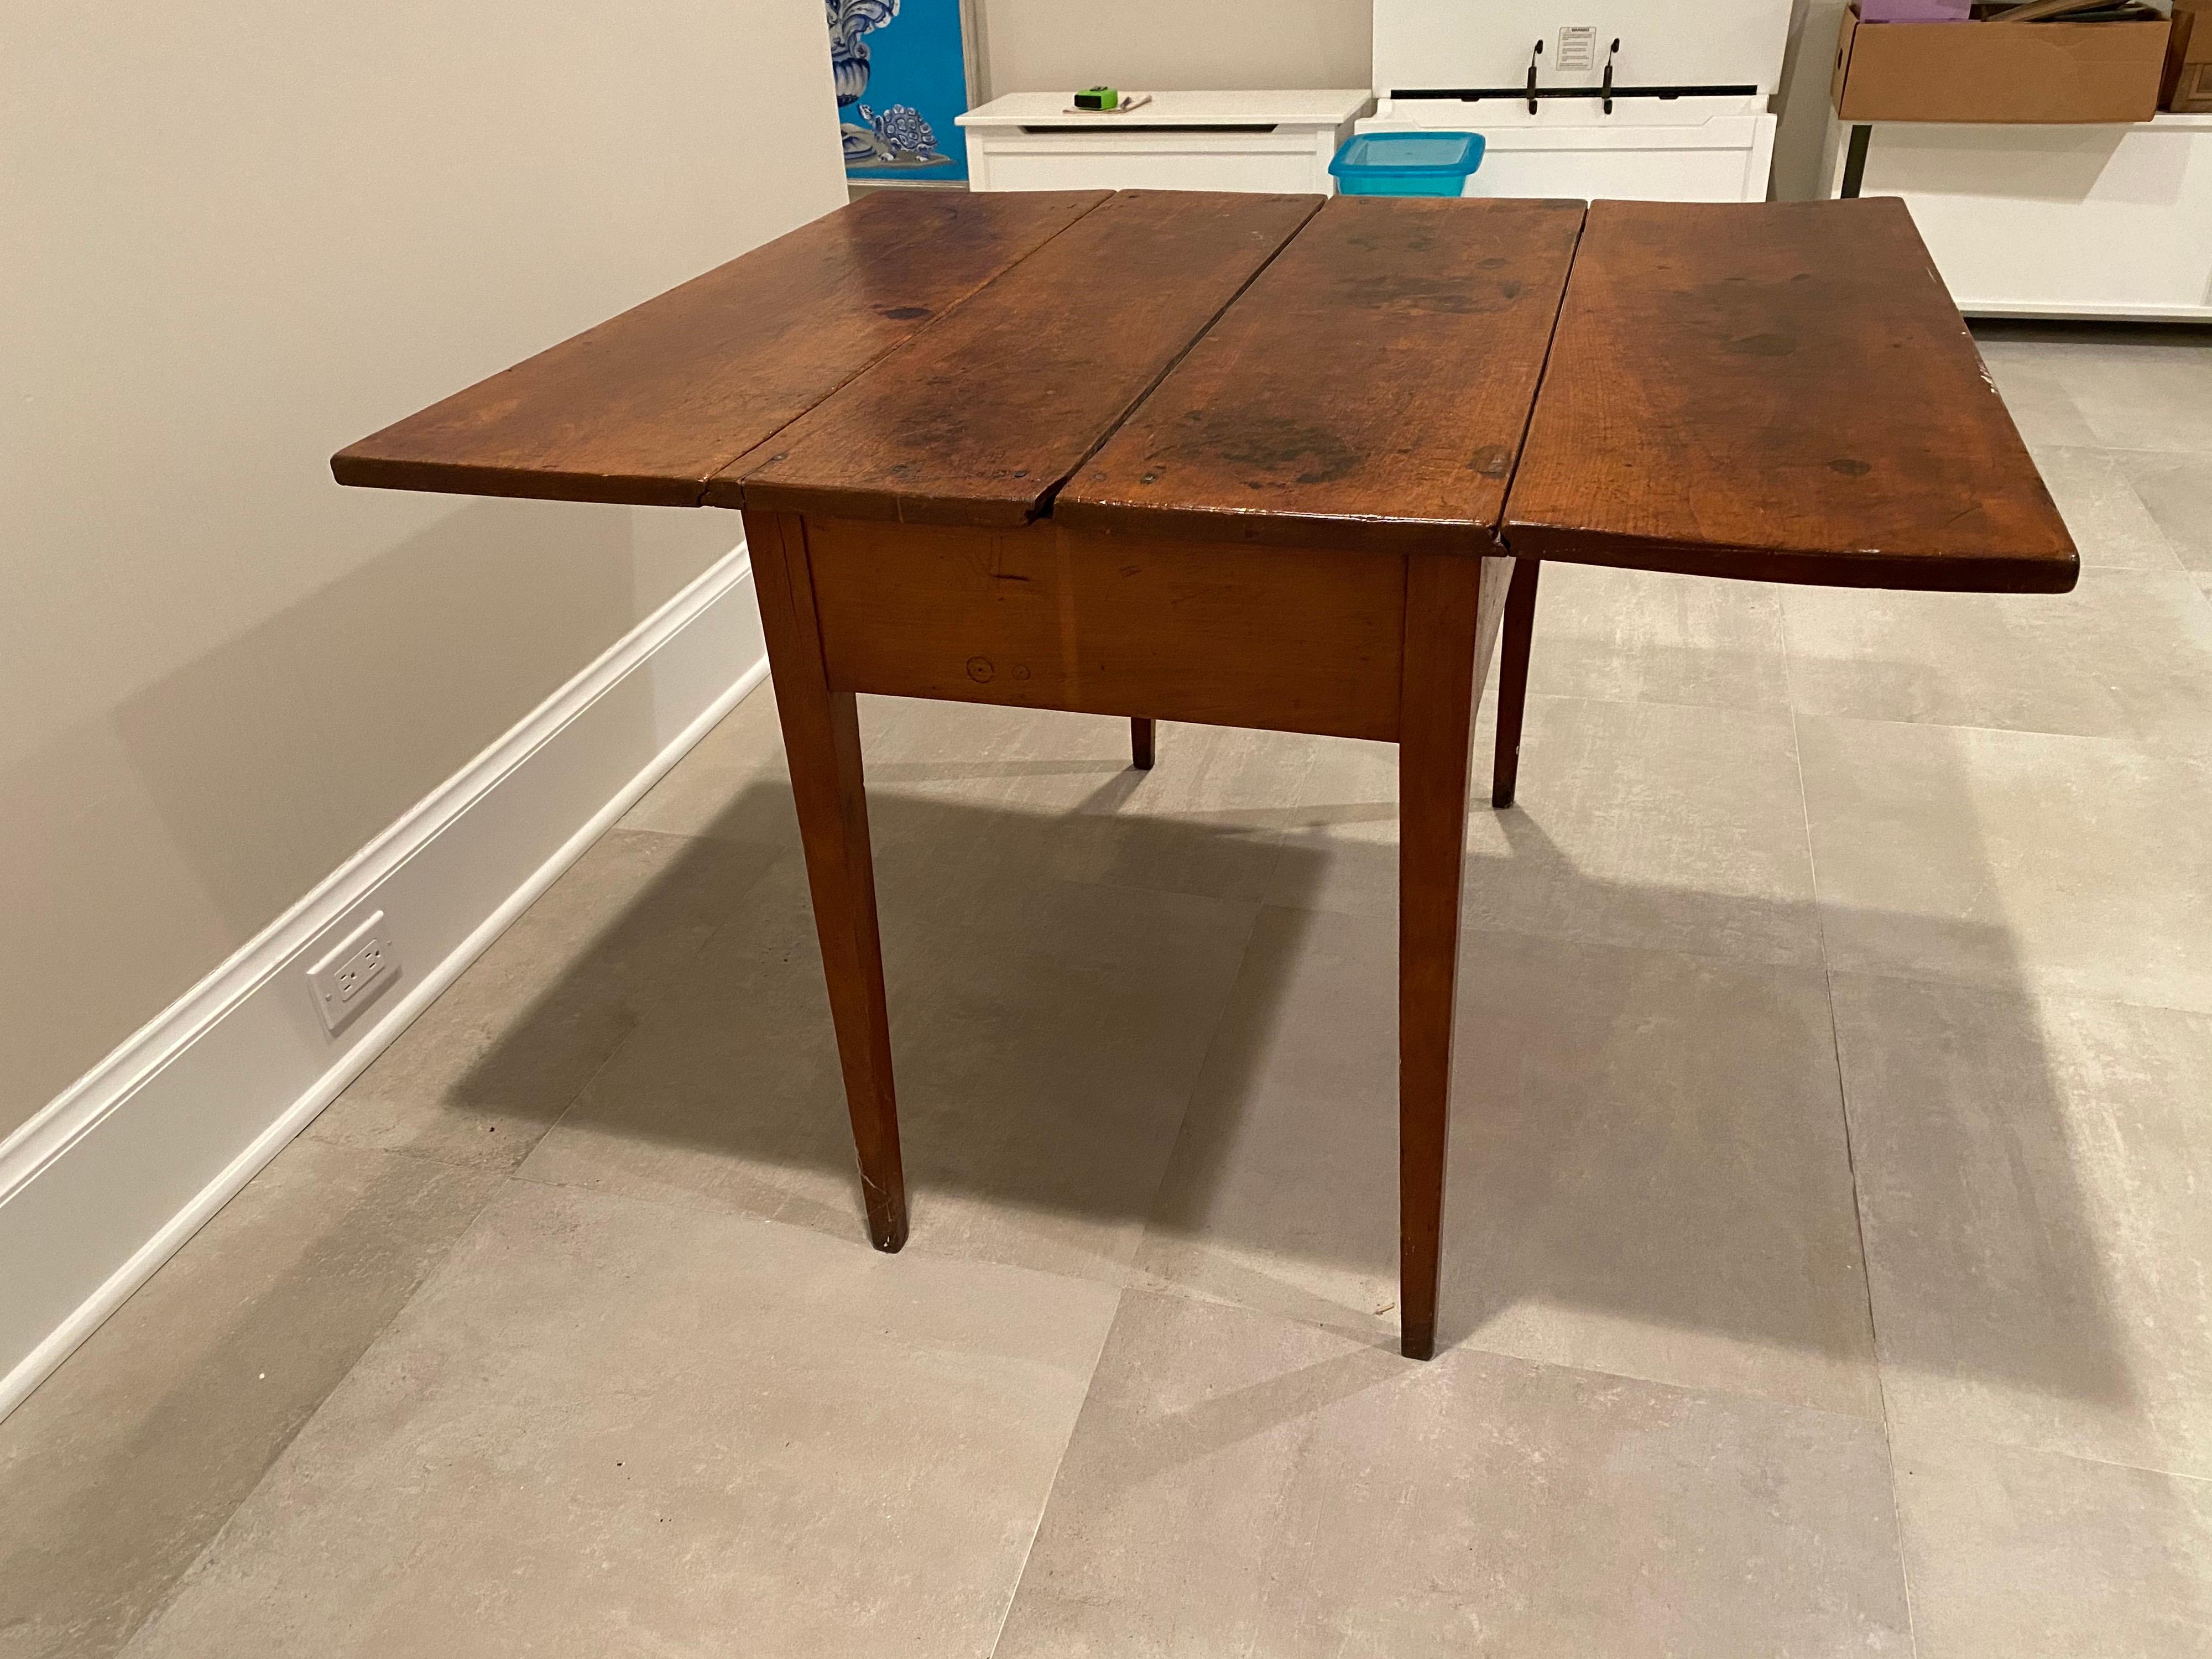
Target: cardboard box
{"x": 1999, "y": 72}
{"x": 2188, "y": 86}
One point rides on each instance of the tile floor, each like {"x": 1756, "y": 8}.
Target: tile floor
{"x": 1830, "y": 1253}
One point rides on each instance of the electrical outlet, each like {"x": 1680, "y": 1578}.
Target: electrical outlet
{"x": 353, "y": 973}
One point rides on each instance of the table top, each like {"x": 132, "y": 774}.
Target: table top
{"x": 1779, "y": 390}
{"x": 1369, "y": 390}
{"x": 1783, "y": 391}
{"x": 1176, "y": 109}
{"x": 647, "y": 407}
{"x": 988, "y": 414}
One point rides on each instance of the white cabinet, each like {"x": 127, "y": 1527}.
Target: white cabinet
{"x": 1631, "y": 99}
{"x": 2053, "y": 222}
{"x": 1247, "y": 140}
{"x": 1693, "y": 150}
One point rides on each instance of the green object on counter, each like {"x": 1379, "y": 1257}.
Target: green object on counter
{"x": 1100, "y": 98}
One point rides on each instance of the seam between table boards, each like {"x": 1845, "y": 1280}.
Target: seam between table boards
{"x": 1045, "y": 500}
{"x": 708, "y": 483}
{"x": 1543, "y": 377}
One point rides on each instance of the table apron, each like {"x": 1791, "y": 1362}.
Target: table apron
{"x": 1290, "y": 640}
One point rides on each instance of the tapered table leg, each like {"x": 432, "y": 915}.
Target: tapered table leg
{"x": 1513, "y": 679}
{"x": 1140, "y": 744}
{"x": 822, "y": 741}
{"x": 1442, "y": 676}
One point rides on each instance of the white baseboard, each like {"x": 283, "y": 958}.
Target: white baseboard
{"x": 111, "y": 1176}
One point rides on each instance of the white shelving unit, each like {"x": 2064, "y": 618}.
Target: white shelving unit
{"x": 1244, "y": 141}
{"x": 1683, "y": 117}
{"x": 2092, "y": 222}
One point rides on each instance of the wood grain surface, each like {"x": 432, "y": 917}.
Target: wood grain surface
{"x": 1041, "y": 617}
{"x": 646, "y": 407}
{"x": 1517, "y": 638}
{"x": 1369, "y": 391}
{"x": 1781, "y": 391}
{"x": 822, "y": 741}
{"x": 1452, "y": 608}
{"x": 980, "y": 419}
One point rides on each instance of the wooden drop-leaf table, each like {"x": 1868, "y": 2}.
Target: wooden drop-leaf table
{"x": 1270, "y": 461}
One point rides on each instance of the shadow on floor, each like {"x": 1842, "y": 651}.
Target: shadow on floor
{"x": 1022, "y": 1079}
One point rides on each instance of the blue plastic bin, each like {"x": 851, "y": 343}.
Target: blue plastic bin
{"x": 1407, "y": 163}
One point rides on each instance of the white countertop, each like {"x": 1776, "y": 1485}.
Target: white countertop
{"x": 1178, "y": 109}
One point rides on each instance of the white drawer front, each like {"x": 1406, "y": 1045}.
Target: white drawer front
{"x": 1722, "y": 158}
{"x": 1622, "y": 175}
{"x": 1243, "y": 161}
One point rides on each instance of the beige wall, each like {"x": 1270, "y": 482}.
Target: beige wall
{"x": 235, "y": 235}
{"x": 1175, "y": 46}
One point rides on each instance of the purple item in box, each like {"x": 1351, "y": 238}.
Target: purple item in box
{"x": 1916, "y": 11}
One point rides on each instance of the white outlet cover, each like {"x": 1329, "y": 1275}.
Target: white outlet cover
{"x": 353, "y": 973}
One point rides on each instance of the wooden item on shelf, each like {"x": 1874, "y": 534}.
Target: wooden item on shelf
{"x": 1252, "y": 460}
{"x": 1916, "y": 11}
{"x": 2035, "y": 11}
{"x": 1991, "y": 71}
{"x": 2187, "y": 87}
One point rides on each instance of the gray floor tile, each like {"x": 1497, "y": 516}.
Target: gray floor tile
{"x": 2011, "y": 1553}
{"x": 492, "y": 1063}
{"x": 1340, "y": 852}
{"x": 1051, "y": 795}
{"x": 2139, "y": 388}
{"x": 2012, "y": 858}
{"x": 1632, "y": 635}
{"x": 2126, "y": 654}
{"x": 1647, "y": 825}
{"x": 613, "y": 1427}
{"x": 2031, "y": 1175}
{"x": 2176, "y": 491}
{"x": 2033, "y": 392}
{"x": 127, "y": 1461}
{"x": 1239, "y": 1484}
{"x": 1649, "y": 1173}
{"x": 2113, "y": 527}
{"x": 1046, "y": 1036}
{"x": 1208, "y": 819}
{"x": 1654, "y": 825}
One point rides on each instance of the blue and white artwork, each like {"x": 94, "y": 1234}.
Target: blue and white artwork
{"x": 902, "y": 73}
